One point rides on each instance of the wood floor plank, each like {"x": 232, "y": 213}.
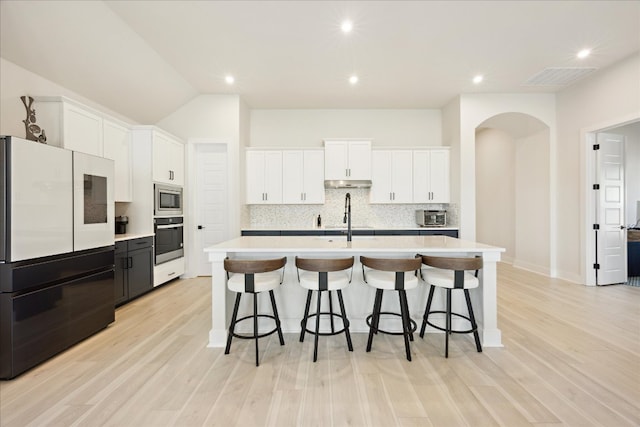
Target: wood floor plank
{"x": 571, "y": 357}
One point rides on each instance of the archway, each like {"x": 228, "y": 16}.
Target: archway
{"x": 513, "y": 197}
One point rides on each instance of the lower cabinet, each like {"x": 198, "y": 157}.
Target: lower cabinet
{"x": 633, "y": 259}
{"x": 357, "y": 232}
{"x": 134, "y": 268}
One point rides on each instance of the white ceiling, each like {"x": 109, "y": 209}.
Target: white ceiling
{"x": 144, "y": 59}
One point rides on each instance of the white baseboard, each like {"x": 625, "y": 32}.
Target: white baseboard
{"x": 532, "y": 267}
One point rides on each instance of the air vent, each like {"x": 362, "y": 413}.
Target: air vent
{"x": 558, "y": 76}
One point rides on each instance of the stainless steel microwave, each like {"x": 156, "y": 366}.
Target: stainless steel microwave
{"x": 168, "y": 200}
{"x": 431, "y": 218}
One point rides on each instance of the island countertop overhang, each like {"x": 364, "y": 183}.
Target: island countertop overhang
{"x": 359, "y": 244}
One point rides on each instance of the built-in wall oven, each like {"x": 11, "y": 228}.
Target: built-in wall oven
{"x": 169, "y": 239}
{"x": 168, "y": 200}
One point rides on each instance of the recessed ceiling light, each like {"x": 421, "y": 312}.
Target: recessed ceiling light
{"x": 478, "y": 79}
{"x": 229, "y": 79}
{"x": 353, "y": 79}
{"x": 584, "y": 53}
{"x": 346, "y": 26}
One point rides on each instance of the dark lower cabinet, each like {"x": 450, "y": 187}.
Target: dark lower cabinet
{"x": 134, "y": 268}
{"x": 633, "y": 259}
{"x": 356, "y": 232}
{"x": 436, "y": 232}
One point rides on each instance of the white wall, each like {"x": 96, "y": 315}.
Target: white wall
{"x": 215, "y": 118}
{"x": 632, "y": 169}
{"x": 608, "y": 97}
{"x": 451, "y": 138}
{"x": 532, "y": 202}
{"x": 308, "y": 128}
{"x": 495, "y": 190}
{"x": 16, "y": 82}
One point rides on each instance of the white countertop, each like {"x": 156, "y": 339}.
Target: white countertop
{"x": 329, "y": 228}
{"x": 284, "y": 244}
{"x": 130, "y": 236}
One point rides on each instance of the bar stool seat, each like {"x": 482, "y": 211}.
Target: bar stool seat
{"x": 254, "y": 277}
{"x": 324, "y": 275}
{"x": 387, "y": 274}
{"x": 451, "y": 273}
{"x": 262, "y": 282}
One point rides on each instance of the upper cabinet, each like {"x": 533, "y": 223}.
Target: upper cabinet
{"x": 70, "y": 125}
{"x": 392, "y": 177}
{"x": 73, "y": 126}
{"x": 347, "y": 160}
{"x": 168, "y": 159}
{"x": 117, "y": 147}
{"x": 431, "y": 176}
{"x": 303, "y": 176}
{"x": 264, "y": 177}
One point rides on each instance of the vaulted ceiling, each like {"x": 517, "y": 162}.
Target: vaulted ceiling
{"x": 144, "y": 59}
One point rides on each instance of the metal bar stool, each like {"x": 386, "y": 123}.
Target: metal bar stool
{"x": 322, "y": 275}
{"x": 253, "y": 277}
{"x": 391, "y": 274}
{"x": 451, "y": 273}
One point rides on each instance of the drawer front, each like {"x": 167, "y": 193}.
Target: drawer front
{"x": 143, "y": 242}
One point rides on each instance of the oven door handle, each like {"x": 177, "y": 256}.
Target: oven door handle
{"x": 162, "y": 227}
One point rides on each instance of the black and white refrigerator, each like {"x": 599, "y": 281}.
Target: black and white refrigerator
{"x": 56, "y": 251}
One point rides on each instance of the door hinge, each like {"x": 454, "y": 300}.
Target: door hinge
{"x": 596, "y": 146}
{"x": 596, "y": 266}
{"x": 596, "y": 186}
{"x": 596, "y": 226}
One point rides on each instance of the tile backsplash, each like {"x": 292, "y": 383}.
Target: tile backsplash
{"x": 332, "y": 212}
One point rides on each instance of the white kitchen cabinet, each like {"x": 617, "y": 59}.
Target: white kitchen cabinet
{"x": 303, "y": 177}
{"x": 391, "y": 176}
{"x": 431, "y": 176}
{"x": 264, "y": 177}
{"x": 168, "y": 160}
{"x": 347, "y": 160}
{"x": 70, "y": 125}
{"x": 117, "y": 147}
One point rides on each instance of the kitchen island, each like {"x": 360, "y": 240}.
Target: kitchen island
{"x": 358, "y": 295}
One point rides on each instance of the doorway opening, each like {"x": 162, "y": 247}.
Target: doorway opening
{"x": 612, "y": 241}
{"x": 513, "y": 189}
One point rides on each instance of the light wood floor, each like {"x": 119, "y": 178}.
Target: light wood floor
{"x": 571, "y": 357}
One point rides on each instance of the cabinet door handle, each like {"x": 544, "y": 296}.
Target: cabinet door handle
{"x": 130, "y": 262}
{"x": 266, "y": 196}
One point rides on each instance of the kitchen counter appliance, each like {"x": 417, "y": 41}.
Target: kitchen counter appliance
{"x": 168, "y": 200}
{"x": 56, "y": 251}
{"x": 431, "y": 218}
{"x": 169, "y": 238}
{"x": 121, "y": 224}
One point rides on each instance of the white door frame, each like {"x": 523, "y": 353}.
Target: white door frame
{"x": 587, "y": 171}
{"x": 191, "y": 265}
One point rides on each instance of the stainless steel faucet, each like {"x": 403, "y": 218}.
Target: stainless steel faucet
{"x": 347, "y": 215}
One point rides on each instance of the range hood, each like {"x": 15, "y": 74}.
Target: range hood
{"x": 354, "y": 183}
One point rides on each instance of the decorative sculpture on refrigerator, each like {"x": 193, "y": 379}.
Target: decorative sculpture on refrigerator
{"x": 32, "y": 130}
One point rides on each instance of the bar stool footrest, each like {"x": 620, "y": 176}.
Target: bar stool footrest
{"x": 252, "y": 337}
{"x": 325, "y": 334}
{"x": 453, "y": 331}
{"x": 412, "y": 324}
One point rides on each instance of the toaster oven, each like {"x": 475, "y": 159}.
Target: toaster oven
{"x": 431, "y": 218}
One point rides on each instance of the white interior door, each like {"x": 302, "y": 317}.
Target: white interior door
{"x": 211, "y": 201}
{"x": 611, "y": 238}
